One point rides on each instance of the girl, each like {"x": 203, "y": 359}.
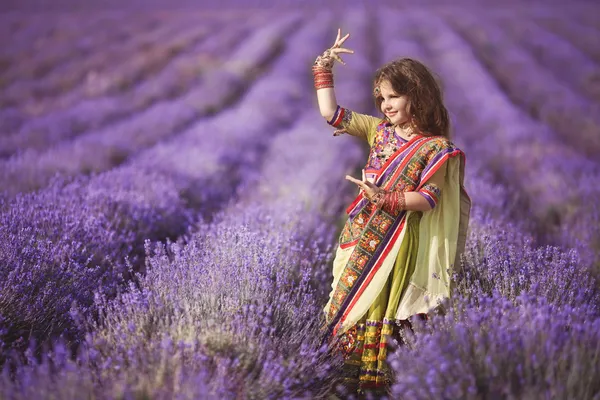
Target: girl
{"x": 407, "y": 227}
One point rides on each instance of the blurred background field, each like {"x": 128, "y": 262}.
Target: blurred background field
{"x": 170, "y": 197}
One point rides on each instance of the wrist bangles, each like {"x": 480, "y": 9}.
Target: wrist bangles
{"x": 322, "y": 70}
{"x": 393, "y": 202}
{"x": 323, "y": 77}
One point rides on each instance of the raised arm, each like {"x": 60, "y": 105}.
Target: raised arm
{"x": 327, "y": 102}
{"x": 323, "y": 73}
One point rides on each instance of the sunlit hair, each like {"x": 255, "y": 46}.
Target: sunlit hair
{"x": 413, "y": 79}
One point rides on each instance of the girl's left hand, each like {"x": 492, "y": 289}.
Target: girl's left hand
{"x": 369, "y": 188}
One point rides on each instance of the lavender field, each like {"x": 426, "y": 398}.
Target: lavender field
{"x": 171, "y": 200}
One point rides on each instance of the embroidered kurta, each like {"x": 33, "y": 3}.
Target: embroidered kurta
{"x": 391, "y": 264}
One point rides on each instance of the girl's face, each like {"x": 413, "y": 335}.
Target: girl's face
{"x": 393, "y": 105}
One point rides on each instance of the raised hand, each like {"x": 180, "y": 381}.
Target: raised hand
{"x": 326, "y": 60}
{"x": 336, "y": 48}
{"x": 367, "y": 187}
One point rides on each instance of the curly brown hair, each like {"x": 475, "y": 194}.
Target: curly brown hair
{"x": 413, "y": 79}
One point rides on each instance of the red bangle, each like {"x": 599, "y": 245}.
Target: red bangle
{"x": 323, "y": 77}
{"x": 394, "y": 202}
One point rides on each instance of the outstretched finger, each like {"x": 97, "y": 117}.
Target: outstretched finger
{"x": 339, "y": 34}
{"x": 341, "y": 41}
{"x": 356, "y": 181}
{"x": 342, "y": 50}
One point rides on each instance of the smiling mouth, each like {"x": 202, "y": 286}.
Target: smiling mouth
{"x": 391, "y": 113}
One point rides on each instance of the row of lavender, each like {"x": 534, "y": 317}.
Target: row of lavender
{"x": 80, "y": 234}
{"x": 107, "y": 92}
{"x": 49, "y": 72}
{"x": 29, "y": 40}
{"x": 98, "y": 134}
{"x": 192, "y": 323}
{"x": 93, "y": 101}
{"x": 41, "y": 83}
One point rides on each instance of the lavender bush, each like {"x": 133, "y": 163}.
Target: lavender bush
{"x": 253, "y": 319}
{"x": 498, "y": 349}
{"x": 61, "y": 245}
{"x": 501, "y": 263}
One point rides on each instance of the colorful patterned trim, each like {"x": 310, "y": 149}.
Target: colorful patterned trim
{"x": 335, "y": 117}
{"x": 346, "y": 117}
{"x": 406, "y": 152}
{"x": 346, "y": 296}
{"x": 366, "y": 364}
{"x": 341, "y": 118}
{"x": 433, "y": 169}
{"x": 431, "y": 192}
{"x": 429, "y": 199}
{"x": 349, "y": 244}
{"x": 440, "y": 150}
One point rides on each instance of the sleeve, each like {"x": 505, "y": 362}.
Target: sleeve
{"x": 355, "y": 124}
{"x": 432, "y": 189}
